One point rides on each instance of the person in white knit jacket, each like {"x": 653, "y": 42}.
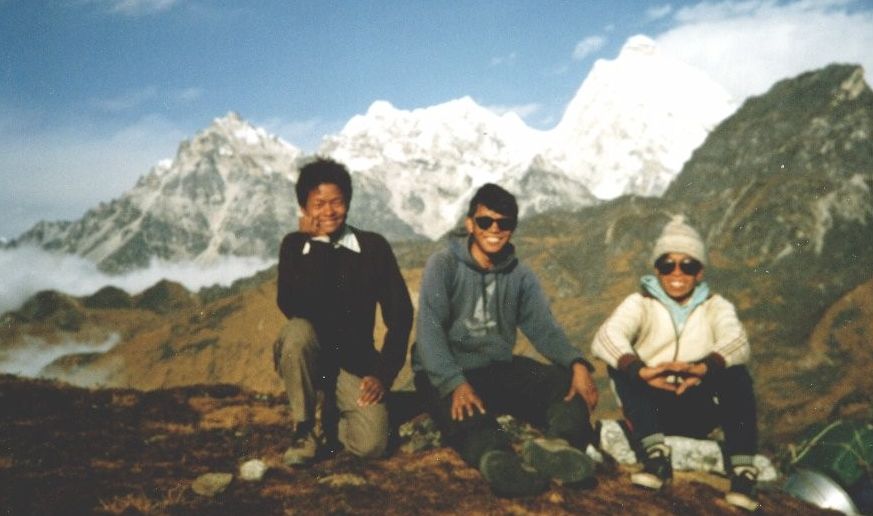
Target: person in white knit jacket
{"x": 676, "y": 354}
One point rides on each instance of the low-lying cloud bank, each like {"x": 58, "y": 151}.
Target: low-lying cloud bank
{"x": 26, "y": 271}
{"x": 32, "y": 357}
{"x": 746, "y": 46}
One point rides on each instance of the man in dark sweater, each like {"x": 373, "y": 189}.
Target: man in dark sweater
{"x": 475, "y": 295}
{"x": 331, "y": 276}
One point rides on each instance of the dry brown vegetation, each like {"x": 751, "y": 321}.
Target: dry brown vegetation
{"x": 68, "y": 450}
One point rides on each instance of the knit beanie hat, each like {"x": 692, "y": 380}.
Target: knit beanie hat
{"x": 679, "y": 237}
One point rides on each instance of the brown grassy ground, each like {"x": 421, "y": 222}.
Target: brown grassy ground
{"x": 66, "y": 450}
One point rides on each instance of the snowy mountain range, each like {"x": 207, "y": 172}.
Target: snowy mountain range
{"x": 628, "y": 130}
{"x": 229, "y": 191}
{"x": 225, "y": 193}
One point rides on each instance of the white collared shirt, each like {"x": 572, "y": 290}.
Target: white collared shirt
{"x": 347, "y": 239}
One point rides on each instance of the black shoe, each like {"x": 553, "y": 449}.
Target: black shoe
{"x": 509, "y": 477}
{"x": 743, "y": 480}
{"x": 657, "y": 468}
{"x": 555, "y": 458}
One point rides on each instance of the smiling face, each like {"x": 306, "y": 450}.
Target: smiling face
{"x": 677, "y": 284}
{"x": 489, "y": 242}
{"x": 327, "y": 206}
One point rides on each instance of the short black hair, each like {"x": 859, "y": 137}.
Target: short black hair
{"x": 320, "y": 171}
{"x": 494, "y": 198}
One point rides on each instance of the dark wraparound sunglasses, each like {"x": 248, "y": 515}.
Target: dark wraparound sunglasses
{"x": 688, "y": 266}
{"x": 505, "y": 224}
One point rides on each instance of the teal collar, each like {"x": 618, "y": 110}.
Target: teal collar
{"x": 679, "y": 313}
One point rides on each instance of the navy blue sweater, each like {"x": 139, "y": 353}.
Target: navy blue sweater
{"x": 337, "y": 290}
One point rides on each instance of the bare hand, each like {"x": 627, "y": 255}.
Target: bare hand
{"x": 687, "y": 383}
{"x": 465, "y": 401}
{"x": 583, "y": 385}
{"x": 307, "y": 224}
{"x": 372, "y": 391}
{"x": 692, "y": 375}
{"x": 656, "y": 377}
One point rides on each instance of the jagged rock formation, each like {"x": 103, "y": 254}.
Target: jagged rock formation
{"x": 227, "y": 192}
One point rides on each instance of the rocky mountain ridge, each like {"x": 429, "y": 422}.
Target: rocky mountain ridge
{"x": 228, "y": 190}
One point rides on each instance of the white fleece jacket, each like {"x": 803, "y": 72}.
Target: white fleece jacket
{"x": 642, "y": 327}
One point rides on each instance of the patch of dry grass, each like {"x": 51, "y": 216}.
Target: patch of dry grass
{"x": 141, "y": 503}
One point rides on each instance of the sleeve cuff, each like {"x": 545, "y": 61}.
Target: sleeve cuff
{"x": 449, "y": 387}
{"x": 584, "y": 362}
{"x": 630, "y": 365}
{"x": 713, "y": 361}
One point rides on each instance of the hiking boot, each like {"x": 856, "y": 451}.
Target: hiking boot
{"x": 304, "y": 446}
{"x": 509, "y": 477}
{"x": 743, "y": 479}
{"x": 555, "y": 458}
{"x": 657, "y": 468}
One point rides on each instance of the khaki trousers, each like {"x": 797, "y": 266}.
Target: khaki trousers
{"x": 362, "y": 430}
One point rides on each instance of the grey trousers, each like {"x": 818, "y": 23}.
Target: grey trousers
{"x": 362, "y": 430}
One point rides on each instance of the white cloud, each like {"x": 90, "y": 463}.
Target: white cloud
{"x": 134, "y": 7}
{"x": 588, "y": 46}
{"x": 558, "y": 70}
{"x": 60, "y": 171}
{"x": 548, "y": 121}
{"x": 125, "y": 101}
{"x": 748, "y": 46}
{"x": 129, "y": 100}
{"x": 29, "y": 358}
{"x": 656, "y": 13}
{"x": 522, "y": 110}
{"x": 26, "y": 271}
{"x": 503, "y": 60}
{"x": 189, "y": 94}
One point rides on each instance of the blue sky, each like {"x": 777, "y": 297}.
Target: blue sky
{"x": 94, "y": 92}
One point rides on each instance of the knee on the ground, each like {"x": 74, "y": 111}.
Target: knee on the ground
{"x": 367, "y": 445}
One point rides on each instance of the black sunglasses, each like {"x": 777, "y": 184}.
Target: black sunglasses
{"x": 688, "y": 266}
{"x": 505, "y": 224}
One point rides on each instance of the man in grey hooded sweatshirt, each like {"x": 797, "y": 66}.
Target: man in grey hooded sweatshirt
{"x": 474, "y": 296}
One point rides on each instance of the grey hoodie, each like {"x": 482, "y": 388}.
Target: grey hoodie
{"x": 468, "y": 316}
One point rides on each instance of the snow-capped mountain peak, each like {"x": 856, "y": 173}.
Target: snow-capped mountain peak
{"x": 241, "y": 130}
{"x": 231, "y": 135}
{"x": 640, "y": 44}
{"x": 431, "y": 159}
{"x": 635, "y": 121}
{"x": 228, "y": 191}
